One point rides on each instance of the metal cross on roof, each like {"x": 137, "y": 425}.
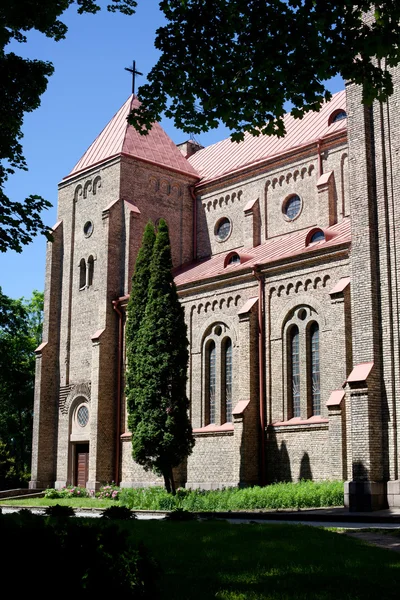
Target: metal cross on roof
{"x": 134, "y": 72}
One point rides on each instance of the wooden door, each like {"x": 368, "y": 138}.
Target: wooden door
{"x": 82, "y": 464}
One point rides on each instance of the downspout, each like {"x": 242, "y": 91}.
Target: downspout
{"x": 115, "y": 304}
{"x": 191, "y": 189}
{"x": 261, "y": 367}
{"x": 320, "y": 167}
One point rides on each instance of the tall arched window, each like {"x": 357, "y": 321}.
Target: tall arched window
{"x": 315, "y": 371}
{"x": 212, "y": 375}
{"x": 90, "y": 270}
{"x": 82, "y": 274}
{"x": 295, "y": 370}
{"x": 228, "y": 381}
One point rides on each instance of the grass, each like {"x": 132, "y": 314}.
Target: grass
{"x": 215, "y": 559}
{"x": 304, "y": 494}
{"x": 74, "y": 502}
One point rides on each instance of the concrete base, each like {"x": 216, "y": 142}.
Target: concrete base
{"x": 393, "y": 494}
{"x": 93, "y": 485}
{"x": 35, "y": 484}
{"x": 365, "y": 496}
{"x": 60, "y": 484}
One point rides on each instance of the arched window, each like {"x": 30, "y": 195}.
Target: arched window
{"x": 314, "y": 370}
{"x": 90, "y": 270}
{"x": 212, "y": 375}
{"x": 295, "y": 370}
{"x": 228, "y": 381}
{"x": 82, "y": 274}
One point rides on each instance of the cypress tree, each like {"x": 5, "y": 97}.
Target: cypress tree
{"x": 136, "y": 309}
{"x": 161, "y": 431}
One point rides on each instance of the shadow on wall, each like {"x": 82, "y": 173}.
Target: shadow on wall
{"x": 203, "y": 236}
{"x": 278, "y": 461}
{"x": 305, "y": 468}
{"x": 360, "y": 473}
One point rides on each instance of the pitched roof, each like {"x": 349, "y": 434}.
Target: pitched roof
{"x": 287, "y": 246}
{"x": 226, "y": 156}
{"x": 120, "y": 138}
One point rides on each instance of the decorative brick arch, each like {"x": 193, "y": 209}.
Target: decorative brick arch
{"x": 200, "y": 334}
{"x": 80, "y": 390}
{"x": 278, "y": 324}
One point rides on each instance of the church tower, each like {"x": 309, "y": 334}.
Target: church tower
{"x": 121, "y": 182}
{"x": 373, "y": 387}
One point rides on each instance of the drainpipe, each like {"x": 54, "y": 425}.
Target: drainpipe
{"x": 320, "y": 167}
{"x": 191, "y": 189}
{"x": 115, "y": 304}
{"x": 261, "y": 367}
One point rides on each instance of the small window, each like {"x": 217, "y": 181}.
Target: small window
{"x": 234, "y": 259}
{"x": 82, "y": 274}
{"x": 88, "y": 228}
{"x": 292, "y": 207}
{"x": 90, "y": 270}
{"x": 223, "y": 229}
{"x": 338, "y": 115}
{"x": 82, "y": 415}
{"x": 318, "y": 236}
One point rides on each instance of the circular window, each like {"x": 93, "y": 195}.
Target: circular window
{"x": 302, "y": 314}
{"x": 223, "y": 229}
{"x": 292, "y": 207}
{"x": 318, "y": 236}
{"x": 83, "y": 415}
{"x": 88, "y": 228}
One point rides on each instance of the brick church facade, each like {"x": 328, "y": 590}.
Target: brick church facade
{"x": 286, "y": 262}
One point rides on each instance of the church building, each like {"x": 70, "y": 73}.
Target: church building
{"x": 285, "y": 255}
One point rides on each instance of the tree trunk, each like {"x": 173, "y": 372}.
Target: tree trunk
{"x": 171, "y": 476}
{"x": 167, "y": 482}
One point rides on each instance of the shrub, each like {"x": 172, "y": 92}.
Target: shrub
{"x": 180, "y": 515}
{"x": 109, "y": 491}
{"x": 59, "y": 511}
{"x": 70, "y": 491}
{"x": 121, "y": 513}
{"x": 98, "y": 557}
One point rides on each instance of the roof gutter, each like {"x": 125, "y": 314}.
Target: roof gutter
{"x": 115, "y": 304}
{"x": 192, "y": 193}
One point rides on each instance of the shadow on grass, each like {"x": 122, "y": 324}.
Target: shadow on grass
{"x": 220, "y": 560}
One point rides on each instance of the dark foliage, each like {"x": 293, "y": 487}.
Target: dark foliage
{"x": 59, "y": 511}
{"x": 179, "y": 514}
{"x": 161, "y": 432}
{"x": 238, "y": 62}
{"x": 98, "y": 557}
{"x": 120, "y": 513}
{"x": 23, "y": 81}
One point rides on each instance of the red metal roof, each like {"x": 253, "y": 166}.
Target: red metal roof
{"x": 274, "y": 249}
{"x": 120, "y": 138}
{"x": 227, "y": 156}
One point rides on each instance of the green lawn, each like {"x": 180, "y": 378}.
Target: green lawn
{"x": 74, "y": 502}
{"x": 215, "y": 559}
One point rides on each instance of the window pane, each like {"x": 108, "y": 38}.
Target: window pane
{"x": 228, "y": 381}
{"x": 295, "y": 372}
{"x": 315, "y": 373}
{"x": 212, "y": 382}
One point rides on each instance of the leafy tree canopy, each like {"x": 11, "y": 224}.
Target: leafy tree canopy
{"x": 20, "y": 333}
{"x": 23, "y": 81}
{"x": 240, "y": 61}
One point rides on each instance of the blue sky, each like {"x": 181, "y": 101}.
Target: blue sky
{"x": 89, "y": 85}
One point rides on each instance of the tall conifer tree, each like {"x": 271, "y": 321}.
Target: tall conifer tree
{"x": 161, "y": 432}
{"x": 136, "y": 309}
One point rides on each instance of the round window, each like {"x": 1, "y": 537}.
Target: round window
{"x": 292, "y": 207}
{"x": 83, "y": 416}
{"x": 88, "y": 228}
{"x": 223, "y": 229}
